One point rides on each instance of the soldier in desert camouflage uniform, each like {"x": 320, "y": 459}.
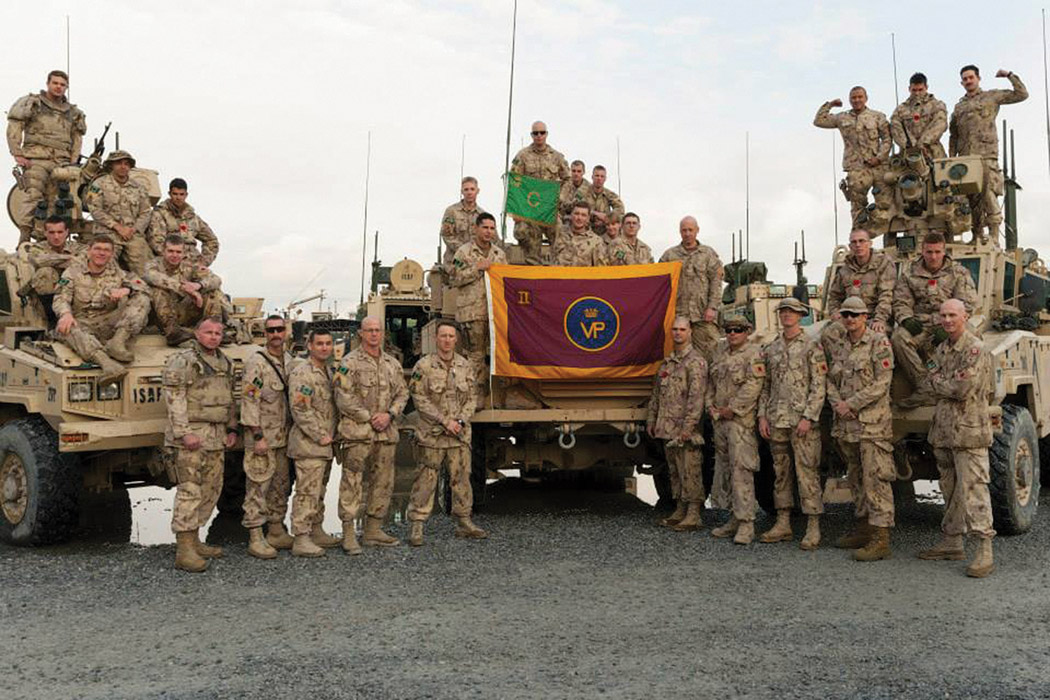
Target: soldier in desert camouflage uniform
{"x": 628, "y": 249}
{"x": 734, "y": 384}
{"x": 921, "y": 120}
{"x": 788, "y": 416}
{"x": 567, "y": 195}
{"x": 859, "y": 394}
{"x": 962, "y": 381}
{"x": 202, "y": 423}
{"x": 540, "y": 161}
{"x": 700, "y": 286}
{"x": 457, "y": 223}
{"x": 972, "y": 132}
{"x": 602, "y": 201}
{"x": 49, "y": 258}
{"x": 371, "y": 394}
{"x": 174, "y": 215}
{"x": 442, "y": 387}
{"x": 181, "y": 291}
{"x": 120, "y": 208}
{"x": 676, "y": 406}
{"x": 579, "y": 246}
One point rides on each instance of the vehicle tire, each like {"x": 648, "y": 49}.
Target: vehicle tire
{"x": 764, "y": 478}
{"x": 39, "y": 486}
{"x": 231, "y": 499}
{"x": 1014, "y": 465}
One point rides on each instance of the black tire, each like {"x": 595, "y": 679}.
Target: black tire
{"x": 1014, "y": 464}
{"x": 231, "y": 499}
{"x": 48, "y": 506}
{"x": 764, "y": 478}
{"x": 478, "y": 469}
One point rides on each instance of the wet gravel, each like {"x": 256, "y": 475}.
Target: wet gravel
{"x": 576, "y": 594}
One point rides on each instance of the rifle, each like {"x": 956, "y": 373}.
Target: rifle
{"x": 100, "y": 145}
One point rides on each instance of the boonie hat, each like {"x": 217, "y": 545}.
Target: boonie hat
{"x": 793, "y": 304}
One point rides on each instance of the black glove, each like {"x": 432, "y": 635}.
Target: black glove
{"x": 912, "y": 325}
{"x": 939, "y": 336}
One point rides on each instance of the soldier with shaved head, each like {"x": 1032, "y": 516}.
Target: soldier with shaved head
{"x": 699, "y": 287}
{"x": 540, "y": 161}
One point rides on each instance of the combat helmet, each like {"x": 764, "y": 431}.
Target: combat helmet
{"x": 114, "y": 157}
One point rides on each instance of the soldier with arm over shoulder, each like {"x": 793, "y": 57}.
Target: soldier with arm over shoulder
{"x": 627, "y": 248}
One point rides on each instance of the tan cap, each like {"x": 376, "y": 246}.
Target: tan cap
{"x": 793, "y": 304}
{"x": 854, "y": 305}
{"x": 115, "y": 156}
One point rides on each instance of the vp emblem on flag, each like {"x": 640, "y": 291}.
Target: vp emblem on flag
{"x": 591, "y": 323}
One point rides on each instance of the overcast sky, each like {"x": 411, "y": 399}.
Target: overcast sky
{"x": 265, "y": 108}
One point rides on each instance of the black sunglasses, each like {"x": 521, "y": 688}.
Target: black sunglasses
{"x": 736, "y": 330}
{"x": 275, "y": 329}
{"x": 538, "y": 133}
{"x": 849, "y": 314}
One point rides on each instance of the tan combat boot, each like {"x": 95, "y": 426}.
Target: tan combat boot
{"x": 950, "y": 548}
{"x": 812, "y": 538}
{"x": 983, "y": 563}
{"x": 304, "y": 546}
{"x": 258, "y": 547}
{"x": 856, "y": 539}
{"x": 727, "y": 530}
{"x": 206, "y": 550}
{"x": 878, "y": 548}
{"x": 322, "y": 538}
{"x": 375, "y": 537}
{"x": 117, "y": 347}
{"x": 112, "y": 372}
{"x": 691, "y": 521}
{"x": 415, "y": 533}
{"x": 745, "y": 533}
{"x": 781, "y": 530}
{"x": 186, "y": 557}
{"x": 278, "y": 537}
{"x": 350, "y": 545}
{"x": 466, "y": 528}
{"x": 675, "y": 517}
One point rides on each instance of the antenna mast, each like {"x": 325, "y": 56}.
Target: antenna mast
{"x": 462, "y": 155}
{"x": 1046, "y": 97}
{"x": 364, "y": 231}
{"x": 893, "y": 47}
{"x": 67, "y": 53}
{"x": 510, "y": 106}
{"x": 619, "y": 180}
{"x": 747, "y": 192}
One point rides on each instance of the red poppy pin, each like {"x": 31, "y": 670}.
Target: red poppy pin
{"x": 932, "y": 283}
{"x": 856, "y": 283}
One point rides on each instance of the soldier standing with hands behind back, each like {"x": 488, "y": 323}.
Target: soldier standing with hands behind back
{"x": 700, "y": 287}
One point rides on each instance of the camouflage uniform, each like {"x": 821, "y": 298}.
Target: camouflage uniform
{"x": 198, "y": 393}
{"x": 546, "y": 164}
{"x": 873, "y": 282}
{"x": 925, "y": 118}
{"x": 676, "y": 406}
{"x": 865, "y": 135}
{"x": 264, "y": 407}
{"x": 579, "y": 250}
{"x": 86, "y": 296}
{"x": 49, "y": 135}
{"x": 794, "y": 389}
{"x": 112, "y": 203}
{"x": 919, "y": 294}
{"x": 961, "y": 432}
{"x": 364, "y": 387}
{"x": 166, "y": 220}
{"x": 567, "y": 197}
{"x": 457, "y": 229}
{"x": 735, "y": 381}
{"x": 699, "y": 289}
{"x": 442, "y": 391}
{"x": 313, "y": 418}
{"x": 49, "y": 264}
{"x": 860, "y": 375}
{"x": 622, "y": 252}
{"x": 172, "y": 306}
{"x": 604, "y": 202}
{"x": 472, "y": 311}
{"x": 973, "y": 133}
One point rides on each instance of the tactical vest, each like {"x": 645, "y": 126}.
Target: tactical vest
{"x": 50, "y": 127}
{"x": 209, "y": 398}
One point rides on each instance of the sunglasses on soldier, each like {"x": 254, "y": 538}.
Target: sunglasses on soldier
{"x": 275, "y": 329}
{"x": 849, "y": 314}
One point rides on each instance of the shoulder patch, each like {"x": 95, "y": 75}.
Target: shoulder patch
{"x": 258, "y": 382}
{"x": 306, "y": 390}
{"x": 621, "y": 254}
{"x": 64, "y": 280}
{"x": 342, "y": 369}
{"x": 975, "y": 350}
{"x": 417, "y": 374}
{"x": 759, "y": 368}
{"x": 448, "y": 220}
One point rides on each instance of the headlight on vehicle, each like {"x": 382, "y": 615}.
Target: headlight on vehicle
{"x": 79, "y": 392}
{"x": 109, "y": 392}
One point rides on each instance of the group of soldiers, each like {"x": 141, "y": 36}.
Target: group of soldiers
{"x": 311, "y": 411}
{"x": 130, "y": 259}
{"x": 920, "y": 122}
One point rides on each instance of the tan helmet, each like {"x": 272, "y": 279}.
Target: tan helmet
{"x": 854, "y": 305}
{"x": 114, "y": 157}
{"x": 793, "y": 304}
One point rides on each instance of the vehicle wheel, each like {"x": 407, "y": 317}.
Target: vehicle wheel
{"x": 40, "y": 486}
{"x": 764, "y": 478}
{"x": 231, "y": 500}
{"x": 1014, "y": 465}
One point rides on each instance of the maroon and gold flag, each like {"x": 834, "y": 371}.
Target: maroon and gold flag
{"x": 581, "y": 322}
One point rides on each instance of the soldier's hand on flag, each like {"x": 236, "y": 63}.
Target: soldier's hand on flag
{"x": 484, "y": 264}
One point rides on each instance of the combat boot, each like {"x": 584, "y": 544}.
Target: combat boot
{"x": 727, "y": 530}
{"x": 781, "y": 530}
{"x": 186, "y": 556}
{"x": 745, "y": 533}
{"x": 466, "y": 528}
{"x": 950, "y": 548}
{"x": 983, "y": 563}
{"x": 117, "y": 347}
{"x": 322, "y": 538}
{"x": 675, "y": 517}
{"x": 375, "y": 537}
{"x": 278, "y": 537}
{"x": 304, "y": 546}
{"x": 856, "y": 539}
{"x": 876, "y": 549}
{"x": 691, "y": 521}
{"x": 811, "y": 540}
{"x": 415, "y": 533}
{"x": 112, "y": 372}
{"x": 350, "y": 545}
{"x": 258, "y": 547}
{"x": 206, "y": 550}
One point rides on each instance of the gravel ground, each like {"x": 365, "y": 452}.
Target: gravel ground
{"x": 576, "y": 594}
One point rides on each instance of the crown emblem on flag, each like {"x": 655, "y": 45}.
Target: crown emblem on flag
{"x": 590, "y": 313}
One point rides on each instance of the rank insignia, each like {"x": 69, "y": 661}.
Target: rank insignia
{"x": 258, "y": 382}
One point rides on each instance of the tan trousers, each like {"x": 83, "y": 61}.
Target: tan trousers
{"x": 267, "y": 484}
{"x": 785, "y": 444}
{"x": 685, "y": 463}
{"x": 87, "y": 337}
{"x": 964, "y": 483}
{"x": 736, "y": 461}
{"x": 377, "y": 458}
{"x": 200, "y": 482}
{"x": 870, "y": 472}
{"x": 308, "y": 502}
{"x": 431, "y": 460}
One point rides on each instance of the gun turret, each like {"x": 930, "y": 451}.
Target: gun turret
{"x": 801, "y": 290}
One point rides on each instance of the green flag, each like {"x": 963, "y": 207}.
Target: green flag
{"x": 531, "y": 198}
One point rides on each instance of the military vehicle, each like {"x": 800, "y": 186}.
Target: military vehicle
{"x": 62, "y": 433}
{"x": 919, "y": 194}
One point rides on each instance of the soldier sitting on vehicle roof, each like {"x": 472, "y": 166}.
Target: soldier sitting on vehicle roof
{"x": 182, "y": 291}
{"x": 175, "y": 215}
{"x": 49, "y": 259}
